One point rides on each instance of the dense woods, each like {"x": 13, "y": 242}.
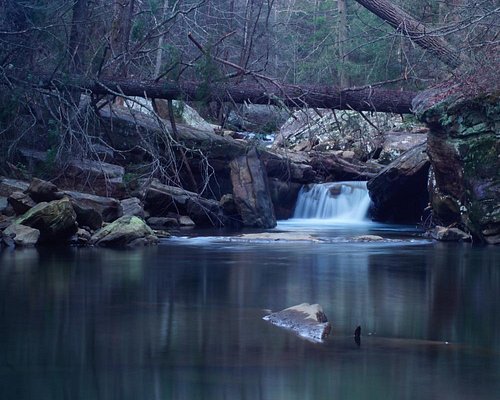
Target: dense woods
{"x": 67, "y": 67}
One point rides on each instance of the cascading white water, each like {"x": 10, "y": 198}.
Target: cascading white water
{"x": 346, "y": 202}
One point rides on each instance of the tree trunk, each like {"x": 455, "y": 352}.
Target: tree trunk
{"x": 342, "y": 41}
{"x": 415, "y": 30}
{"x": 300, "y": 96}
{"x": 120, "y": 36}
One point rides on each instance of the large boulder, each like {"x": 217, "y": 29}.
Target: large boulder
{"x": 464, "y": 149}
{"x": 22, "y": 235}
{"x": 107, "y": 208}
{"x": 399, "y": 191}
{"x": 162, "y": 200}
{"x": 306, "y": 320}
{"x": 126, "y": 231}
{"x": 40, "y": 190}
{"x": 55, "y": 220}
{"x": 251, "y": 191}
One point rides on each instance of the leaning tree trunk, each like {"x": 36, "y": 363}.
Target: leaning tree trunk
{"x": 359, "y": 99}
{"x": 416, "y": 31}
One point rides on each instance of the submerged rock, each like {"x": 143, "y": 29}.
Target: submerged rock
{"x": 307, "y": 320}
{"x": 368, "y": 238}
{"x": 126, "y": 231}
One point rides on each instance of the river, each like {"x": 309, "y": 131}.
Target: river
{"x": 183, "y": 320}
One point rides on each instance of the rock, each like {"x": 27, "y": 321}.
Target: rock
{"x": 23, "y": 236}
{"x": 55, "y": 220}
{"x": 9, "y": 186}
{"x": 3, "y": 204}
{"x": 40, "y": 190}
{"x": 307, "y": 320}
{"x": 257, "y": 117}
{"x": 396, "y": 143}
{"x": 126, "y": 231}
{"x": 162, "y": 223}
{"x": 160, "y": 200}
{"x": 81, "y": 174}
{"x": 340, "y": 130}
{"x": 284, "y": 196}
{"x": 277, "y": 236}
{"x": 444, "y": 234}
{"x": 107, "y": 207}
{"x": 399, "y": 191}
{"x": 87, "y": 216}
{"x": 186, "y": 222}
{"x": 5, "y": 221}
{"x": 81, "y": 238}
{"x": 21, "y": 202}
{"x": 132, "y": 206}
{"x": 251, "y": 191}
{"x": 464, "y": 149}
{"x": 368, "y": 238}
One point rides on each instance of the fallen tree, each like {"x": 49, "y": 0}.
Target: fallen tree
{"x": 365, "y": 98}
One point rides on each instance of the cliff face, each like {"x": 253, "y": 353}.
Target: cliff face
{"x": 464, "y": 150}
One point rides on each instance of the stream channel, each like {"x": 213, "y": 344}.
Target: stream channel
{"x": 183, "y": 320}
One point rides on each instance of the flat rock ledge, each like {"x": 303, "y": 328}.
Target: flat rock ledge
{"x": 278, "y": 236}
{"x": 306, "y": 320}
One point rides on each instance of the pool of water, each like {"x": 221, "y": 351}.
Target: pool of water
{"x": 183, "y": 320}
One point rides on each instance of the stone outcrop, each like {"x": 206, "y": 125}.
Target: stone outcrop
{"x": 126, "y": 231}
{"x": 251, "y": 191}
{"x": 399, "y": 191}
{"x": 306, "y": 320}
{"x": 55, "y": 220}
{"x": 163, "y": 200}
{"x": 464, "y": 149}
{"x": 98, "y": 177}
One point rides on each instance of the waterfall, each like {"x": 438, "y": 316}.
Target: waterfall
{"x": 336, "y": 201}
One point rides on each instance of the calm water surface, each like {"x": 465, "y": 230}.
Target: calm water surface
{"x": 183, "y": 320}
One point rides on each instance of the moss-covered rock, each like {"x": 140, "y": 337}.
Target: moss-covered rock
{"x": 55, "y": 220}
{"x": 127, "y": 231}
{"x": 464, "y": 149}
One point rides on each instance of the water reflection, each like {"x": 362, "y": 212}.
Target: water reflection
{"x": 183, "y": 321}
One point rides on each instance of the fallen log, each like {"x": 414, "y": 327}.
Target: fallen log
{"x": 360, "y": 99}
